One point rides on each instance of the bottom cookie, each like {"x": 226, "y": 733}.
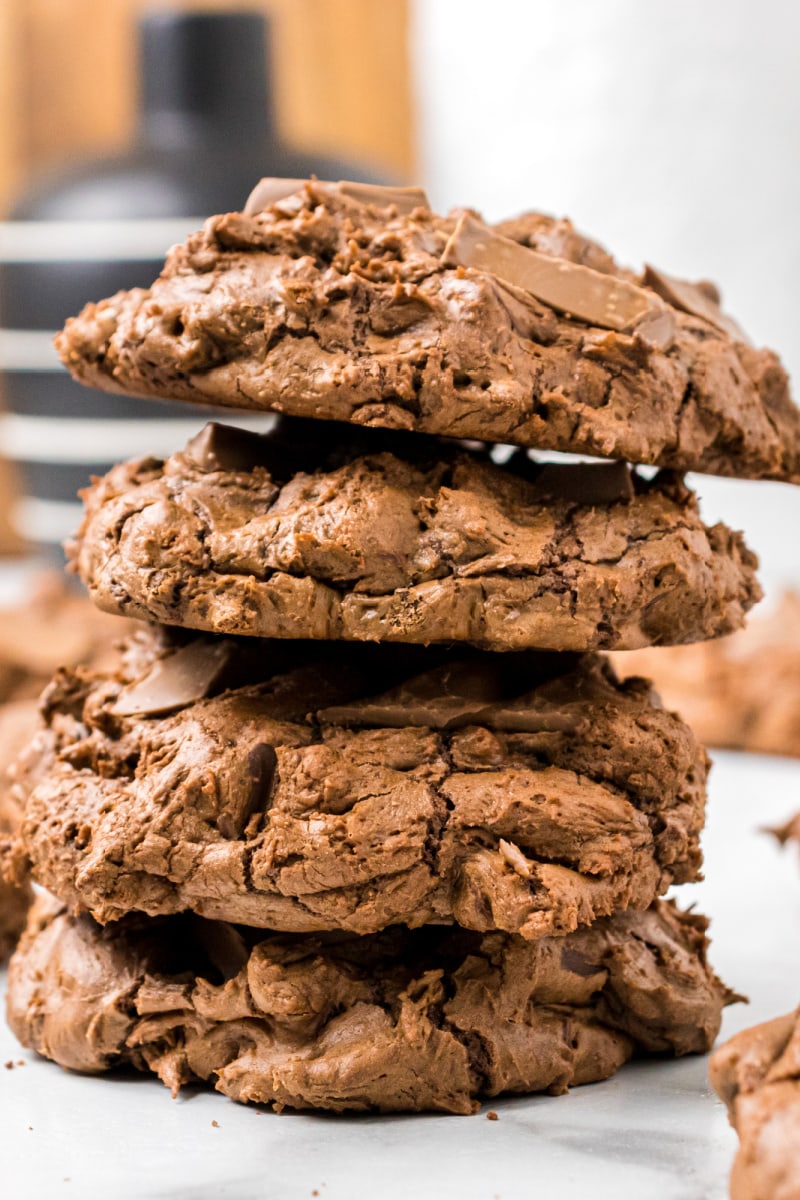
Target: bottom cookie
{"x": 404, "y": 1020}
{"x": 757, "y": 1074}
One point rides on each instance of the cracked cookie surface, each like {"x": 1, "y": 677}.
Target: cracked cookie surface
{"x": 430, "y": 1019}
{"x": 307, "y": 532}
{"x": 322, "y": 306}
{"x": 757, "y": 1075}
{"x": 301, "y": 786}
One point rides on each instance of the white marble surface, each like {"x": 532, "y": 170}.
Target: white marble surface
{"x": 653, "y": 1131}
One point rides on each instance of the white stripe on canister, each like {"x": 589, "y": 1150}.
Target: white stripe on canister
{"x": 45, "y": 520}
{"x": 67, "y": 439}
{"x": 28, "y": 350}
{"x": 93, "y": 241}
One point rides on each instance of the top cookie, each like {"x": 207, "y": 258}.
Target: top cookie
{"x": 342, "y": 302}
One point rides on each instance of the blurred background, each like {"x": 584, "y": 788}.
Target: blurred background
{"x": 669, "y": 133}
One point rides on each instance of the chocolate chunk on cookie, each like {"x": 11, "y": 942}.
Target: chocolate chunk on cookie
{"x": 351, "y": 787}
{"x": 757, "y": 1074}
{"x": 284, "y": 536}
{"x": 324, "y": 302}
{"x": 429, "y": 1019}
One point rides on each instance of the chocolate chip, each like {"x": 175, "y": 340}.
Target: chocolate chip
{"x": 574, "y": 962}
{"x": 698, "y": 299}
{"x": 270, "y": 190}
{"x": 252, "y": 792}
{"x": 225, "y": 448}
{"x": 447, "y": 697}
{"x": 577, "y": 291}
{"x": 590, "y": 484}
{"x": 404, "y": 199}
{"x": 179, "y": 679}
{"x": 261, "y": 764}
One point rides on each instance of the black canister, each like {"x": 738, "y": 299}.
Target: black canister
{"x": 205, "y": 136}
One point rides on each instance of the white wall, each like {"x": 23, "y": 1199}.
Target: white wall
{"x": 671, "y": 132}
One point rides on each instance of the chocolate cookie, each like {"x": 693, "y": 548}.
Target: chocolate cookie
{"x": 15, "y": 900}
{"x": 357, "y": 787}
{"x": 401, "y": 1021}
{"x": 270, "y": 537}
{"x": 18, "y": 721}
{"x": 321, "y": 300}
{"x": 50, "y": 626}
{"x": 15, "y": 894}
{"x": 757, "y": 1074}
{"x": 741, "y": 692}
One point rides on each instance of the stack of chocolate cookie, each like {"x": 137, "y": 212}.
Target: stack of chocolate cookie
{"x": 362, "y": 819}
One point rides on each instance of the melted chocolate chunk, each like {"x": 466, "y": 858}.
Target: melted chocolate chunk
{"x": 451, "y": 695}
{"x": 580, "y": 291}
{"x": 179, "y": 679}
{"x": 699, "y": 299}
{"x": 252, "y": 793}
{"x": 404, "y": 199}
{"x": 226, "y": 448}
{"x": 270, "y": 190}
{"x": 586, "y": 483}
{"x": 574, "y": 962}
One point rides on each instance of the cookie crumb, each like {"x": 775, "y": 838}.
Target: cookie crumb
{"x": 215, "y": 1124}
{"x": 30, "y": 1129}
{"x": 9, "y": 1065}
{"x": 20, "y": 1062}
{"x": 492, "y": 1115}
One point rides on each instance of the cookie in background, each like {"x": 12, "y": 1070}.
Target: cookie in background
{"x": 51, "y": 627}
{"x": 740, "y": 692}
